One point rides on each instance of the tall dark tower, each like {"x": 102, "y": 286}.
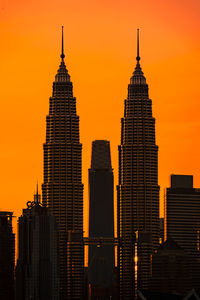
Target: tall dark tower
{"x": 37, "y": 273}
{"x": 138, "y": 190}
{"x": 182, "y": 215}
{"x": 101, "y": 262}
{"x": 62, "y": 187}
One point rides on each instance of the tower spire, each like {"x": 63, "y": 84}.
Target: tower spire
{"x": 138, "y": 46}
{"x": 138, "y": 75}
{"x": 62, "y": 73}
{"x": 37, "y": 189}
{"x": 37, "y": 196}
{"x": 62, "y": 53}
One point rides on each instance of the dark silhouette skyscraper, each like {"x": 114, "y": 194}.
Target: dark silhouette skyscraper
{"x": 62, "y": 188}
{"x": 37, "y": 272}
{"x": 182, "y": 220}
{"x": 7, "y": 256}
{"x": 101, "y": 262}
{"x": 170, "y": 269}
{"x": 138, "y": 190}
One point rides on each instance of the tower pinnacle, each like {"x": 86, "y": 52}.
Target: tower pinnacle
{"x": 138, "y": 76}
{"x": 62, "y": 54}
{"x": 62, "y": 74}
{"x": 37, "y": 196}
{"x": 138, "y": 46}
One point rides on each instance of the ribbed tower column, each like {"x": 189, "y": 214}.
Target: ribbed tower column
{"x": 138, "y": 190}
{"x": 63, "y": 188}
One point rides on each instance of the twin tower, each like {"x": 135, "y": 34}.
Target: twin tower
{"x": 137, "y": 195}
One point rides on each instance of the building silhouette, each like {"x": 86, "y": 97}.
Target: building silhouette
{"x": 170, "y": 269}
{"x": 62, "y": 188}
{"x": 101, "y": 260}
{"x": 75, "y": 265}
{"x": 182, "y": 220}
{"x": 138, "y": 190}
{"x": 37, "y": 271}
{"x": 7, "y": 256}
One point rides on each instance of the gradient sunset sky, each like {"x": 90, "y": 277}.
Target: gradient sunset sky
{"x": 100, "y": 49}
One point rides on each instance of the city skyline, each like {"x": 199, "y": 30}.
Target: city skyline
{"x": 15, "y": 146}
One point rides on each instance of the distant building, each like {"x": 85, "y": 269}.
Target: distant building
{"x": 101, "y": 262}
{"x": 182, "y": 220}
{"x": 7, "y": 256}
{"x": 171, "y": 269}
{"x": 37, "y": 272}
{"x": 138, "y": 189}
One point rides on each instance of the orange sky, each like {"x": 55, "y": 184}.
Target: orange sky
{"x": 100, "y": 48}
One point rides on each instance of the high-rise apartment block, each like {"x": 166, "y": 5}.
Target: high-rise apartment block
{"x": 7, "y": 256}
{"x": 101, "y": 262}
{"x": 62, "y": 188}
{"x": 138, "y": 190}
{"x": 37, "y": 272}
{"x": 182, "y": 219}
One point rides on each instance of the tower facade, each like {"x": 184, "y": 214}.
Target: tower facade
{"x": 37, "y": 272}
{"x": 138, "y": 190}
{"x": 170, "y": 269}
{"x": 62, "y": 188}
{"x": 7, "y": 256}
{"x": 101, "y": 262}
{"x": 182, "y": 220}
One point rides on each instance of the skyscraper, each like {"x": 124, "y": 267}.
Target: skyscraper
{"x": 138, "y": 190}
{"x": 37, "y": 272}
{"x": 170, "y": 269}
{"x": 182, "y": 220}
{"x": 7, "y": 256}
{"x": 62, "y": 187}
{"x": 101, "y": 262}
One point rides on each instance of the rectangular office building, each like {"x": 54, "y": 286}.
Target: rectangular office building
{"x": 182, "y": 219}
